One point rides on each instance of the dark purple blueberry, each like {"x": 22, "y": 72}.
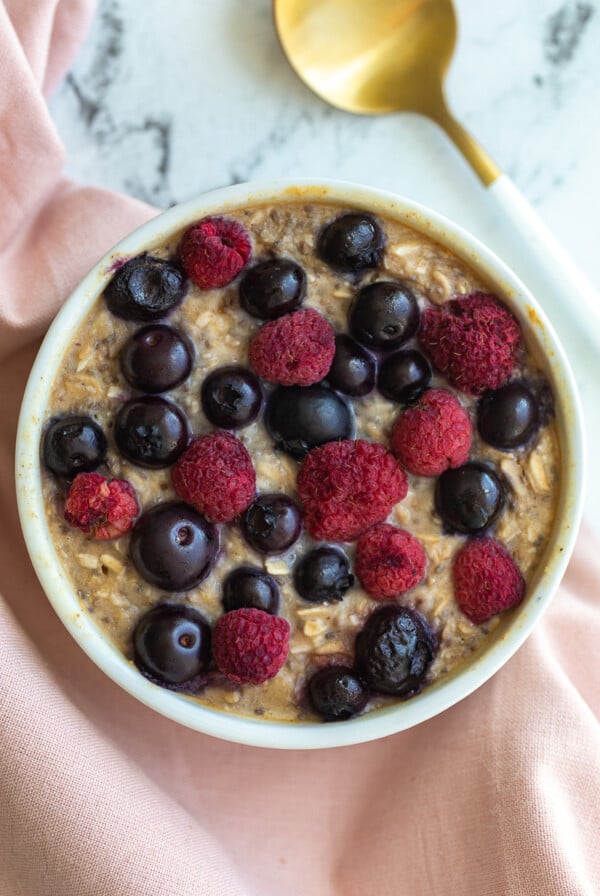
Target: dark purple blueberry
{"x": 394, "y": 651}
{"x": 151, "y": 432}
{"x": 273, "y": 288}
{"x": 508, "y": 417}
{"x": 351, "y": 243}
{"x": 272, "y": 524}
{"x": 322, "y": 575}
{"x": 171, "y": 643}
{"x": 404, "y": 376}
{"x": 173, "y": 546}
{"x": 469, "y": 498}
{"x": 231, "y": 397}
{"x": 73, "y": 445}
{"x": 337, "y": 693}
{"x": 156, "y": 358}
{"x": 384, "y": 315}
{"x": 299, "y": 418}
{"x": 353, "y": 369}
{"x": 248, "y": 586}
{"x": 145, "y": 288}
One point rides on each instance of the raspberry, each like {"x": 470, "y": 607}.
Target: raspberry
{"x": 473, "y": 341}
{"x": 213, "y": 251}
{"x": 249, "y": 646}
{"x": 215, "y": 475}
{"x": 100, "y": 507}
{"x": 389, "y": 561}
{"x": 294, "y": 350}
{"x": 486, "y": 580}
{"x": 433, "y": 435}
{"x": 348, "y": 486}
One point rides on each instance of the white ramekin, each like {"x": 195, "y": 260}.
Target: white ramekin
{"x": 516, "y": 625}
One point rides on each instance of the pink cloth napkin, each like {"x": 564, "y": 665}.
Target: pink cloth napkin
{"x": 99, "y": 796}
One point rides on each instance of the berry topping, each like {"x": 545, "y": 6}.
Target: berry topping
{"x": 394, "y": 650}
{"x": 273, "y": 288}
{"x": 151, "y": 431}
{"x": 231, "y": 397}
{"x": 299, "y": 418}
{"x": 433, "y": 435}
{"x": 100, "y": 507}
{"x": 323, "y": 575}
{"x": 214, "y": 251}
{"x": 250, "y": 646}
{"x": 384, "y": 315}
{"x": 216, "y": 476}
{"x": 404, "y": 376}
{"x": 296, "y": 349}
{"x": 145, "y": 288}
{"x": 473, "y": 341}
{"x": 247, "y": 586}
{"x": 337, "y": 693}
{"x": 351, "y": 243}
{"x": 353, "y": 369}
{"x": 508, "y": 417}
{"x": 173, "y": 546}
{"x": 156, "y": 358}
{"x": 73, "y": 445}
{"x": 469, "y": 498}
{"x": 389, "y": 561}
{"x": 348, "y": 486}
{"x": 272, "y": 524}
{"x": 171, "y": 643}
{"x": 486, "y": 580}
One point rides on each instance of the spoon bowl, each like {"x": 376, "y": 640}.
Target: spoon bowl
{"x": 379, "y": 57}
{"x": 386, "y": 57}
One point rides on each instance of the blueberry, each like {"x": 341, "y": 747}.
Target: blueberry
{"x": 248, "y": 586}
{"x": 351, "y": 243}
{"x": 72, "y": 445}
{"x": 231, "y": 397}
{"x": 299, "y": 418}
{"x": 173, "y": 546}
{"x": 272, "y": 524}
{"x": 156, "y": 358}
{"x": 145, "y": 288}
{"x": 404, "y": 376}
{"x": 353, "y": 369}
{"x": 323, "y": 574}
{"x": 172, "y": 643}
{"x": 337, "y": 693}
{"x": 508, "y": 417}
{"x": 384, "y": 315}
{"x": 151, "y": 432}
{"x": 273, "y": 288}
{"x": 469, "y": 498}
{"x": 394, "y": 651}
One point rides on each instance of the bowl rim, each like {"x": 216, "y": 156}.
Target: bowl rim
{"x": 266, "y": 733}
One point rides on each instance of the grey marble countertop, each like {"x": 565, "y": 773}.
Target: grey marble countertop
{"x": 168, "y": 100}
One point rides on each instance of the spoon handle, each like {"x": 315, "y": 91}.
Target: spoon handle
{"x": 562, "y": 290}
{"x": 572, "y": 304}
{"x": 535, "y": 254}
{"x": 566, "y": 295}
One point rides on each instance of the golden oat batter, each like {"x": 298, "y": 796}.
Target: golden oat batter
{"x": 91, "y": 383}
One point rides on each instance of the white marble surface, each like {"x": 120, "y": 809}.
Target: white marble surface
{"x": 167, "y": 100}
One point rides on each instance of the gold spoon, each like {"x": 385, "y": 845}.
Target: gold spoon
{"x": 379, "y": 56}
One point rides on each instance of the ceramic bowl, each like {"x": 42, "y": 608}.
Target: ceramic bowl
{"x": 515, "y": 626}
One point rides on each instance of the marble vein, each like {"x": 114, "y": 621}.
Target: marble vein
{"x": 564, "y": 31}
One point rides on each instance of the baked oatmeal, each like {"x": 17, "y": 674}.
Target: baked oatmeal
{"x": 298, "y": 461}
